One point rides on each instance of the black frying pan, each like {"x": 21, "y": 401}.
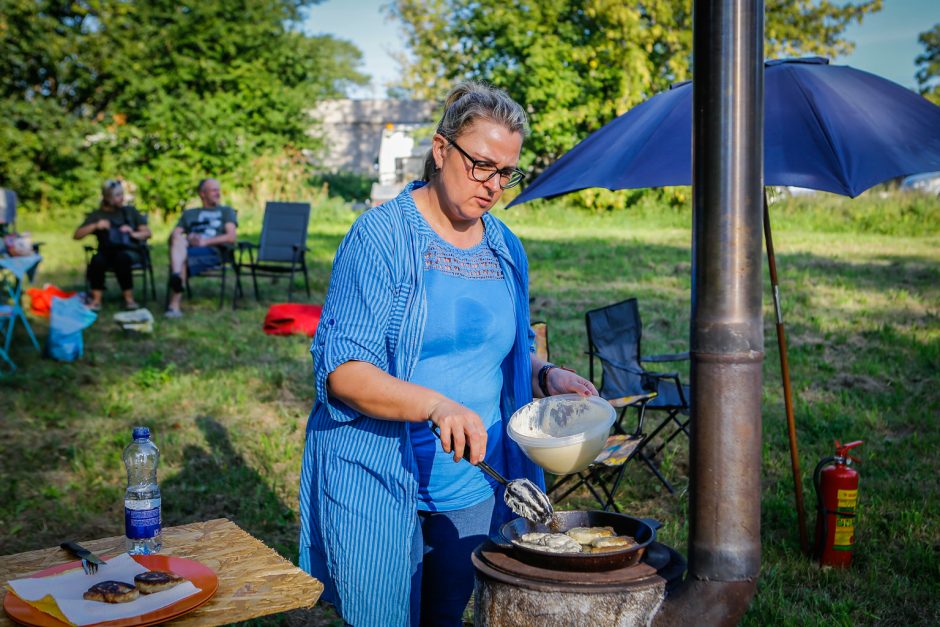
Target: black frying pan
{"x": 643, "y": 530}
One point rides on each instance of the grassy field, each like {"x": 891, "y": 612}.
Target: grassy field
{"x": 228, "y": 404}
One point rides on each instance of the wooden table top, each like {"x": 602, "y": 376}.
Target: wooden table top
{"x": 253, "y": 579}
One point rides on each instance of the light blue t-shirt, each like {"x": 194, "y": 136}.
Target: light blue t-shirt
{"x": 470, "y": 331}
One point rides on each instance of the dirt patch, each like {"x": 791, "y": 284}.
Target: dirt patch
{"x": 860, "y": 382}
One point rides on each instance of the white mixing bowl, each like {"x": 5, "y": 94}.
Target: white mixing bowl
{"x": 562, "y": 434}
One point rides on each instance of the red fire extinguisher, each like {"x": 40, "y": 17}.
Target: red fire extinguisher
{"x": 836, "y": 486}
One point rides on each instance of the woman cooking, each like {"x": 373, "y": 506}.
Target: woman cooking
{"x": 426, "y": 322}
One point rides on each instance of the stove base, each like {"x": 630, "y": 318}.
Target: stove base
{"x": 509, "y": 592}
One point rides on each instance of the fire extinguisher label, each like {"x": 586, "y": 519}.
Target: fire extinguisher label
{"x": 847, "y": 498}
{"x": 845, "y": 534}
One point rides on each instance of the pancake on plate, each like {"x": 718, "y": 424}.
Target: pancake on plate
{"x": 111, "y": 592}
{"x": 155, "y": 581}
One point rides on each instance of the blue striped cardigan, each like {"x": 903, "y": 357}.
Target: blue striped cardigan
{"x": 358, "y": 486}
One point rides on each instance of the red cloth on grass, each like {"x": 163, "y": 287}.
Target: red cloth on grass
{"x": 288, "y": 318}
{"x": 40, "y": 299}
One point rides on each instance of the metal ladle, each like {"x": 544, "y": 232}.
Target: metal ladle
{"x": 521, "y": 495}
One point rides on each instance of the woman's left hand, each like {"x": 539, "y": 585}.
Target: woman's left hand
{"x": 561, "y": 381}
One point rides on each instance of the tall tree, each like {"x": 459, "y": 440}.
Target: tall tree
{"x": 928, "y": 72}
{"x": 576, "y": 64}
{"x": 160, "y": 91}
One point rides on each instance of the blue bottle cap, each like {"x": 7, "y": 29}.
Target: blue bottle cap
{"x": 141, "y": 433}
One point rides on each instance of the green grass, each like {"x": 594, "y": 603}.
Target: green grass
{"x": 861, "y": 287}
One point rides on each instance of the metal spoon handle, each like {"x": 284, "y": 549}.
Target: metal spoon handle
{"x": 466, "y": 456}
{"x": 489, "y": 470}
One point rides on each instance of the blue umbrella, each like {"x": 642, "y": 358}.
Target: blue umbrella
{"x": 826, "y": 127}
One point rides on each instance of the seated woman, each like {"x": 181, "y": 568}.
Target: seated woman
{"x": 120, "y": 231}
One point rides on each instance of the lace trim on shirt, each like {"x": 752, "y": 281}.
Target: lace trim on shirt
{"x": 478, "y": 262}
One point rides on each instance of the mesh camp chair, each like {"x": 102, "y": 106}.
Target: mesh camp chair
{"x": 142, "y": 266}
{"x": 226, "y": 256}
{"x": 614, "y": 333}
{"x": 282, "y": 248}
{"x": 541, "y": 340}
{"x": 197, "y": 268}
{"x": 603, "y": 476}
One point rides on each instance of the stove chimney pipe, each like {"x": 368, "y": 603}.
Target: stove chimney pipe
{"x": 727, "y": 346}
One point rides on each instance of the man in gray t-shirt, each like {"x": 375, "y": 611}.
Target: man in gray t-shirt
{"x": 197, "y": 237}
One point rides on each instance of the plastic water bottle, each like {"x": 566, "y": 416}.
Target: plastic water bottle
{"x": 142, "y": 518}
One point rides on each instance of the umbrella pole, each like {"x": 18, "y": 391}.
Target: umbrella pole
{"x": 785, "y": 373}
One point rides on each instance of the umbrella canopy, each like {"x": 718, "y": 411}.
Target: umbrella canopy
{"x": 826, "y": 127}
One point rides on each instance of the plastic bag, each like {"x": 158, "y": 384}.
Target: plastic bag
{"x": 69, "y": 318}
{"x": 40, "y": 299}
{"x": 137, "y": 321}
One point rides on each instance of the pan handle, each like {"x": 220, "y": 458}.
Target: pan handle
{"x": 653, "y": 523}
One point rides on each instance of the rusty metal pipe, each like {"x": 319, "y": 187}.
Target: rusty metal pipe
{"x": 727, "y": 344}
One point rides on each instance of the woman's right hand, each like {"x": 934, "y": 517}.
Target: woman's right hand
{"x": 103, "y": 225}
{"x": 459, "y": 428}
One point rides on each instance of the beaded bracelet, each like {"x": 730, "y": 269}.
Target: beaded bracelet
{"x": 543, "y": 377}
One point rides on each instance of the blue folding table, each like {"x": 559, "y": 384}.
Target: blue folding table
{"x": 13, "y": 270}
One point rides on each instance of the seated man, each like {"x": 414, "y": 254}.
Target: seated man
{"x": 197, "y": 236}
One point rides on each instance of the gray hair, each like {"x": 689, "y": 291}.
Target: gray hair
{"x": 111, "y": 185}
{"x": 471, "y": 101}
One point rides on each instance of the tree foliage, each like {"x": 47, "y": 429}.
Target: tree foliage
{"x": 577, "y": 64}
{"x": 161, "y": 92}
{"x": 928, "y": 72}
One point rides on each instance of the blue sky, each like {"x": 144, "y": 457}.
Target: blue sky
{"x": 886, "y": 43}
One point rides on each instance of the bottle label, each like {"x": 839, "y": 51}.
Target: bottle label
{"x": 142, "y": 519}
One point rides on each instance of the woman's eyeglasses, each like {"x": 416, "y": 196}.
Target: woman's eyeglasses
{"x": 483, "y": 171}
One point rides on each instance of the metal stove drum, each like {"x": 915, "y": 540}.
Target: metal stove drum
{"x": 515, "y": 586}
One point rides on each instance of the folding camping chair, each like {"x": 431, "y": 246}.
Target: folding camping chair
{"x": 218, "y": 271}
{"x": 603, "y": 476}
{"x": 282, "y": 248}
{"x": 607, "y": 469}
{"x": 142, "y": 266}
{"x": 13, "y": 272}
{"x": 541, "y": 340}
{"x": 614, "y": 334}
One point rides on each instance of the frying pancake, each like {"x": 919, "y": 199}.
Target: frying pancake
{"x": 602, "y": 545}
{"x": 155, "y": 581}
{"x": 586, "y": 535}
{"x": 549, "y": 542}
{"x": 111, "y": 592}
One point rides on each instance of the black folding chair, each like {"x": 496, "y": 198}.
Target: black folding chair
{"x": 219, "y": 271}
{"x": 282, "y": 248}
{"x": 602, "y": 478}
{"x": 614, "y": 333}
{"x": 142, "y": 266}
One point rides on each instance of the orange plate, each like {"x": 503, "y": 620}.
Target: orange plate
{"x": 202, "y": 577}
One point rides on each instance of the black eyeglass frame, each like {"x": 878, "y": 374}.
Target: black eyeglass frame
{"x": 515, "y": 175}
